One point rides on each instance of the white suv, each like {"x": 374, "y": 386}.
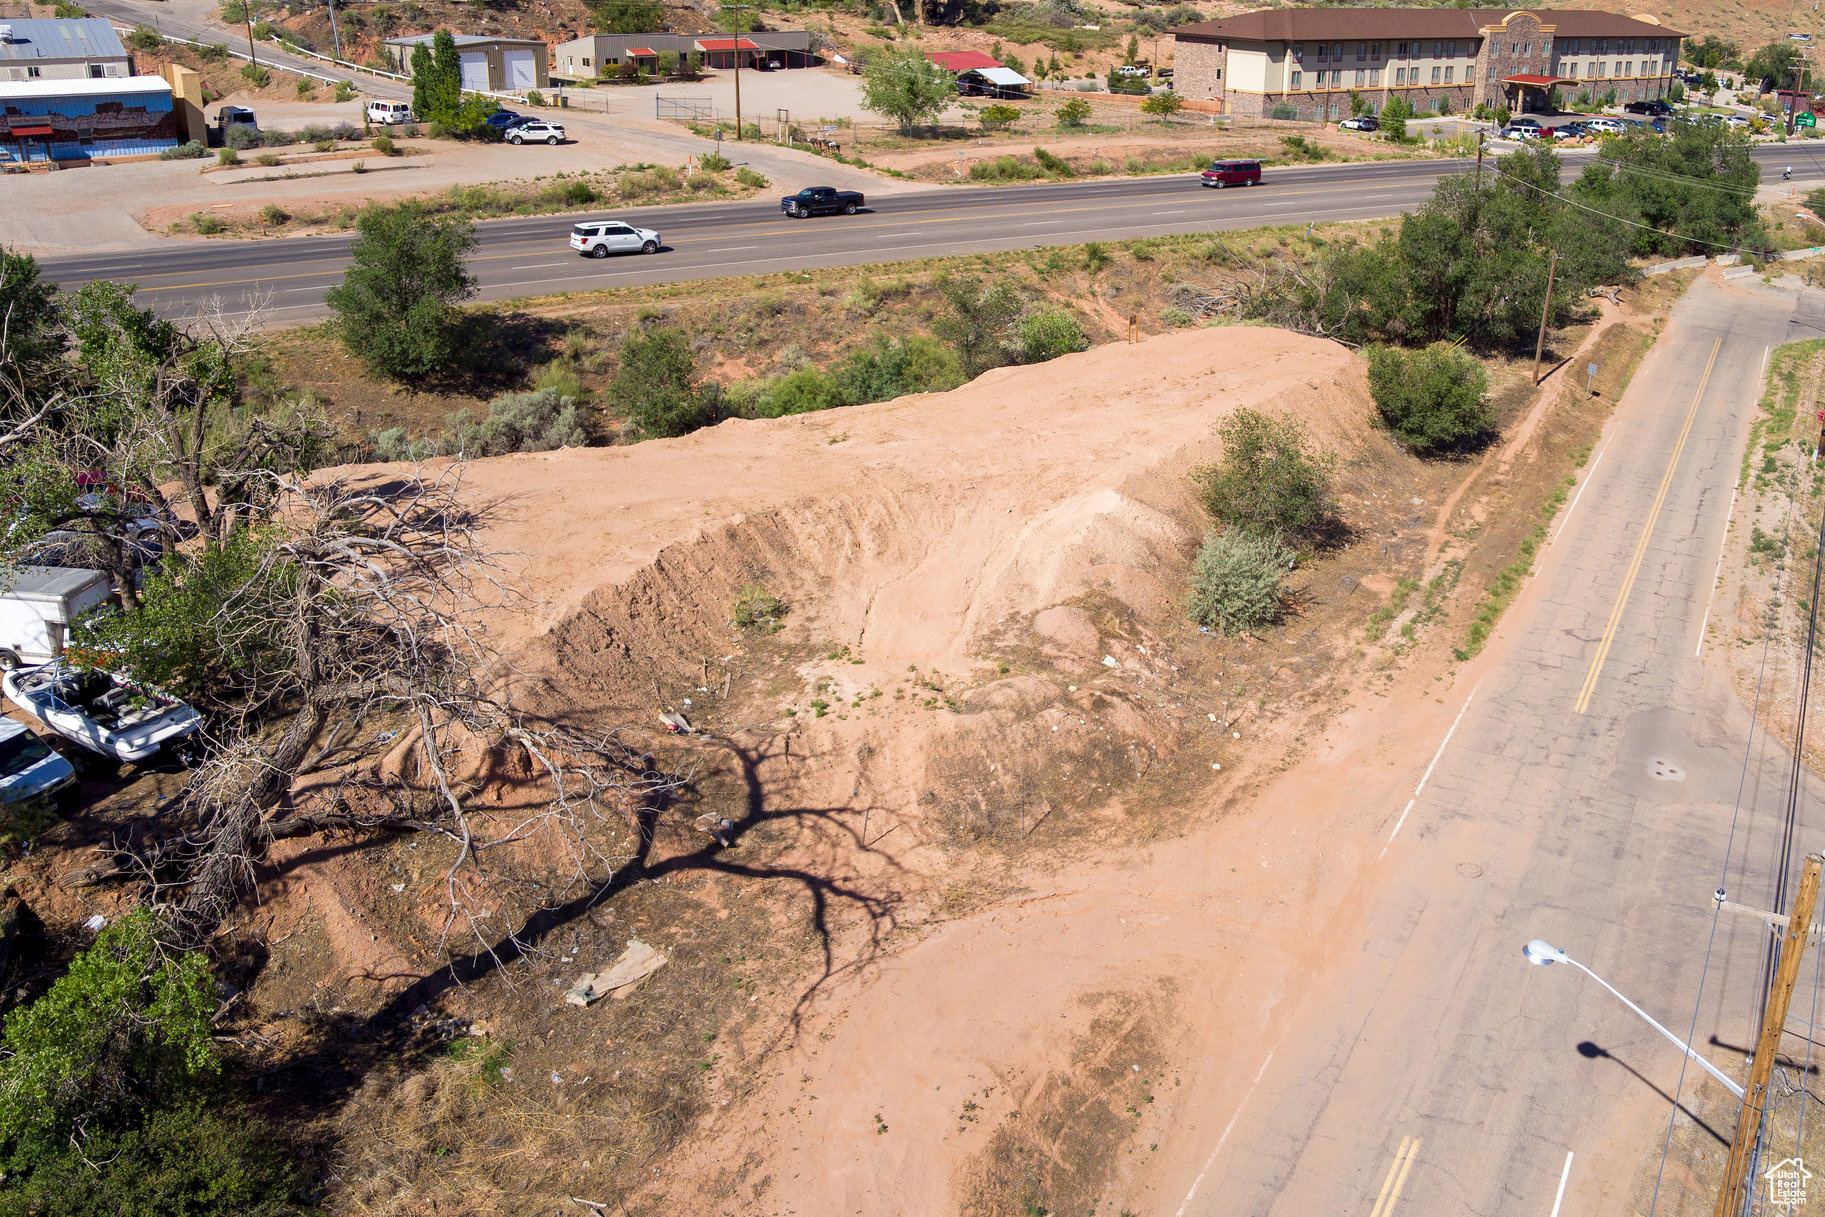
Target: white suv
{"x": 535, "y": 129}
{"x": 600, "y": 238}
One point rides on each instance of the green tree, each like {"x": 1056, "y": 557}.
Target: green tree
{"x": 1692, "y": 190}
{"x": 916, "y": 363}
{"x": 1074, "y": 113}
{"x": 1270, "y": 481}
{"x": 907, "y": 87}
{"x": 1394, "y": 117}
{"x": 1132, "y": 50}
{"x": 1772, "y": 66}
{"x": 1235, "y": 582}
{"x": 1163, "y": 104}
{"x": 424, "y": 88}
{"x": 627, "y": 16}
{"x": 31, "y": 338}
{"x": 1434, "y": 399}
{"x": 657, "y": 385}
{"x": 975, "y": 321}
{"x": 395, "y": 308}
{"x": 997, "y": 116}
{"x": 446, "y": 92}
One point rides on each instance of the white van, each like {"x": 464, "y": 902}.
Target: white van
{"x": 389, "y": 112}
{"x": 38, "y": 605}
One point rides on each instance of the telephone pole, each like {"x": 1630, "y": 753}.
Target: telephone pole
{"x": 1480, "y": 133}
{"x": 737, "y": 9}
{"x": 1774, "y": 1023}
{"x": 1552, "y": 270}
{"x": 247, "y": 12}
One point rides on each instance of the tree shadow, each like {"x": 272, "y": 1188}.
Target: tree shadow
{"x": 499, "y": 349}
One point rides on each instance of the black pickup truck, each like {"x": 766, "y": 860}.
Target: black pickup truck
{"x": 822, "y": 200}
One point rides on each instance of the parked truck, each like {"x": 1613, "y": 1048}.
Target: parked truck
{"x": 38, "y": 604}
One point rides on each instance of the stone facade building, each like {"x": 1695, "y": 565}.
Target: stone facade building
{"x": 1310, "y": 63}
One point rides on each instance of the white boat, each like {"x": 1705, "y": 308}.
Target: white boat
{"x": 102, "y": 711}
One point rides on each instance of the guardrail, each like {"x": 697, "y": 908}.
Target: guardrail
{"x": 236, "y": 54}
{"x": 293, "y": 49}
{"x": 288, "y": 47}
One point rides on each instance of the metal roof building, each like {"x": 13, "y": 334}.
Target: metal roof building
{"x": 489, "y": 64}
{"x": 53, "y": 49}
{"x": 42, "y": 121}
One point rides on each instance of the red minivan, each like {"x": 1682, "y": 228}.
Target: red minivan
{"x": 1231, "y": 173}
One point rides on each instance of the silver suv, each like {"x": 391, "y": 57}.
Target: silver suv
{"x": 535, "y": 129}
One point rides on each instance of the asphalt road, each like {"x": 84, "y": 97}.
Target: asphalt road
{"x": 1586, "y": 795}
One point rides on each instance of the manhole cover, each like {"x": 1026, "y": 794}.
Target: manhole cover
{"x": 1470, "y": 870}
{"x": 1663, "y": 770}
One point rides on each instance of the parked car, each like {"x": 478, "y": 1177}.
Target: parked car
{"x": 822, "y": 200}
{"x": 1231, "y": 173}
{"x": 1128, "y": 69}
{"x": 39, "y": 605}
{"x": 1521, "y": 133}
{"x": 1361, "y": 122}
{"x": 28, "y": 767}
{"x": 501, "y": 120}
{"x": 1571, "y": 130}
{"x": 1606, "y": 126}
{"x": 600, "y": 238}
{"x": 1737, "y": 121}
{"x": 230, "y": 117}
{"x": 535, "y": 130}
{"x": 1639, "y": 107}
{"x": 1658, "y": 108}
{"x": 1526, "y": 120}
{"x": 389, "y": 112}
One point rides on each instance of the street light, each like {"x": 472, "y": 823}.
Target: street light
{"x": 1542, "y": 952}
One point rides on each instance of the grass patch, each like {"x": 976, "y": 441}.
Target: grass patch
{"x": 1508, "y": 581}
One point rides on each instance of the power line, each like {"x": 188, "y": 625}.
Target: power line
{"x": 1671, "y": 236}
{"x": 1667, "y": 175}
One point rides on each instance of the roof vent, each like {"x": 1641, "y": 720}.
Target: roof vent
{"x": 6, "y": 33}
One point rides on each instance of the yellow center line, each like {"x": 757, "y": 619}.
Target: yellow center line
{"x": 723, "y": 233}
{"x": 1397, "y": 1177}
{"x": 1641, "y": 546}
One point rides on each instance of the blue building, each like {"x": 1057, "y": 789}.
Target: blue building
{"x": 91, "y": 119}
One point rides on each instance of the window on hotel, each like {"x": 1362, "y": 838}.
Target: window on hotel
{"x": 1297, "y": 77}
{"x": 1527, "y": 48}
{"x": 1361, "y": 78}
{"x": 1435, "y": 75}
{"x": 1337, "y": 51}
{"x": 1401, "y": 51}
{"x": 1375, "y": 50}
{"x": 1438, "y": 50}
{"x": 1597, "y": 70}
{"x": 1321, "y": 51}
{"x": 1448, "y": 75}
{"x": 1469, "y": 74}
{"x": 1600, "y": 46}
{"x": 1400, "y": 76}
{"x": 1375, "y": 78}
{"x": 1362, "y": 50}
{"x": 1337, "y": 80}
{"x": 1618, "y": 71}
{"x": 1333, "y": 109}
{"x": 1571, "y": 71}
{"x": 1451, "y": 50}
{"x": 1299, "y": 53}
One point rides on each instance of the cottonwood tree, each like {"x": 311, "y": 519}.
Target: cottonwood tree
{"x": 395, "y": 308}
{"x": 907, "y": 87}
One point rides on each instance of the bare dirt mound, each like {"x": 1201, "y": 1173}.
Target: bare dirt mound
{"x": 960, "y": 552}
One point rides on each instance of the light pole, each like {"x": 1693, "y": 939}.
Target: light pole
{"x": 1541, "y": 952}
{"x": 737, "y": 9}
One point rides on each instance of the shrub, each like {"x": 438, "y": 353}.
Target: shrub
{"x": 539, "y": 421}
{"x": 975, "y": 320}
{"x": 747, "y": 177}
{"x": 1815, "y": 202}
{"x": 194, "y": 150}
{"x": 1235, "y": 582}
{"x": 1049, "y": 333}
{"x": 700, "y": 182}
{"x": 802, "y": 392}
{"x": 256, "y": 75}
{"x": 534, "y": 98}
{"x": 1096, "y": 256}
{"x": 345, "y": 90}
{"x": 1270, "y": 483}
{"x": 273, "y": 215}
{"x": 997, "y": 116}
{"x": 657, "y": 385}
{"x": 755, "y": 605}
{"x": 886, "y": 370}
{"x": 383, "y": 144}
{"x": 307, "y": 88}
{"x": 1074, "y": 113}
{"x": 1163, "y": 104}
{"x": 573, "y": 192}
{"x": 1053, "y": 164}
{"x": 241, "y": 137}
{"x": 144, "y": 38}
{"x": 1433, "y": 398}
{"x": 227, "y": 156}
{"x": 268, "y": 159}
{"x": 1176, "y": 317}
{"x": 714, "y": 162}
{"x": 262, "y": 30}
{"x": 324, "y": 145}
{"x": 277, "y": 139}
{"x": 394, "y": 445}
{"x": 359, "y": 167}
{"x": 1299, "y": 148}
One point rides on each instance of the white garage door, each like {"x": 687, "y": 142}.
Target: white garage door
{"x": 522, "y": 70}
{"x": 475, "y": 70}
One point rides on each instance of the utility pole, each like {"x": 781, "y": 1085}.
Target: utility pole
{"x": 737, "y": 9}
{"x": 1480, "y": 133}
{"x": 1774, "y": 1022}
{"x": 247, "y": 12}
{"x": 1552, "y": 269}
{"x": 335, "y": 33}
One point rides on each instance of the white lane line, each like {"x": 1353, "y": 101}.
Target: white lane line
{"x": 318, "y": 288}
{"x": 1588, "y": 475}
{"x": 1764, "y": 370}
{"x": 1179, "y": 212}
{"x": 1563, "y": 1176}
{"x": 1042, "y": 223}
{"x": 1227, "y": 1129}
{"x": 1427, "y": 776}
{"x": 539, "y": 266}
{"x": 722, "y": 249}
{"x": 1719, "y": 572}
{"x": 1277, "y": 204}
